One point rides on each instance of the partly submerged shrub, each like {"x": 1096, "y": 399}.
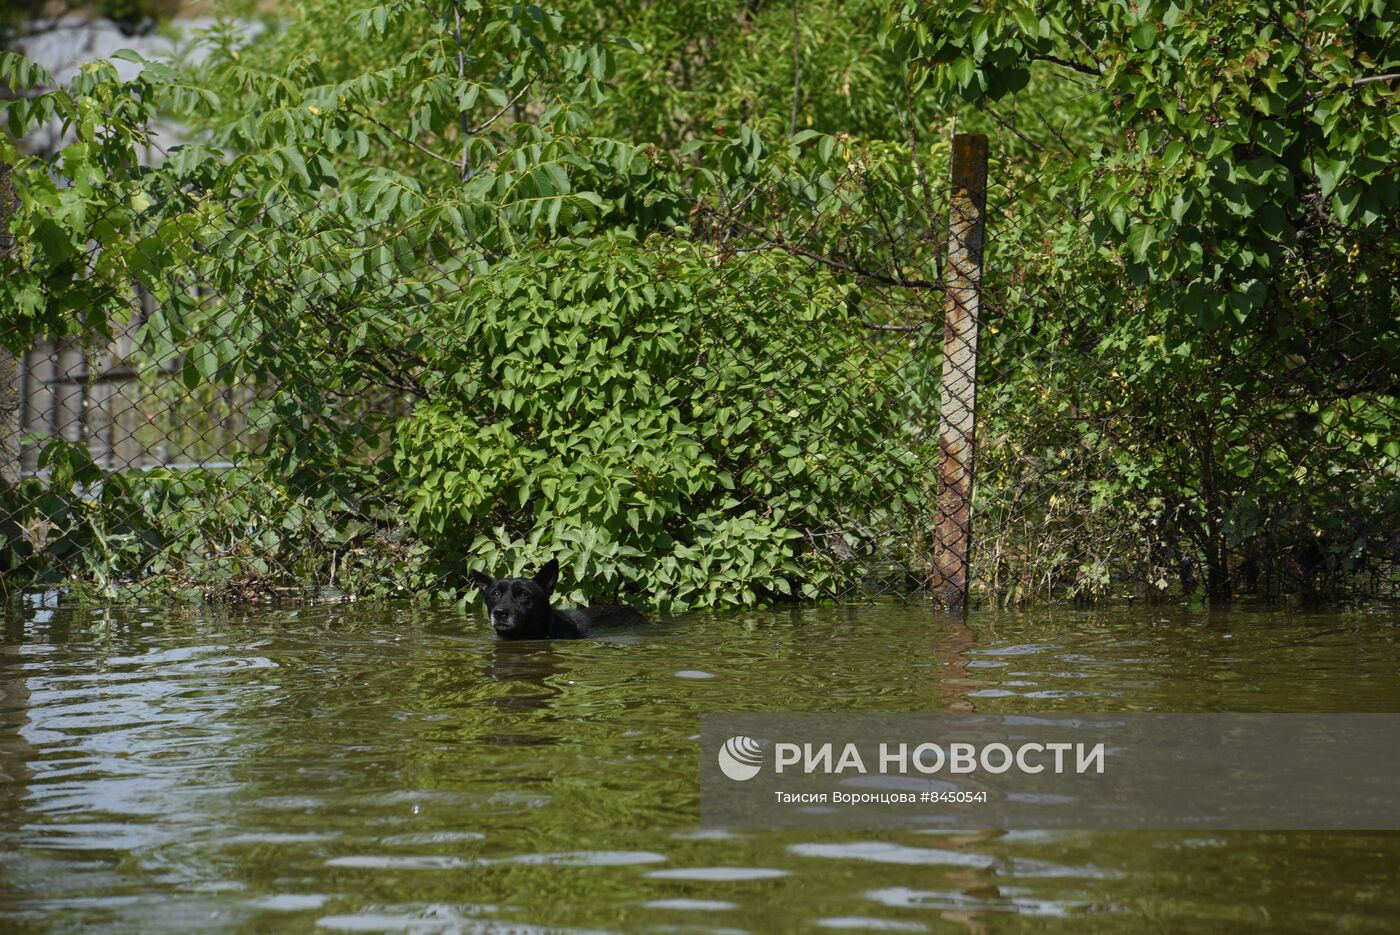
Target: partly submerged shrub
{"x": 693, "y": 432}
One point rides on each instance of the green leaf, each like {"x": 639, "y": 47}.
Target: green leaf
{"x": 1141, "y": 238}
{"x": 1329, "y": 173}
{"x": 1144, "y": 34}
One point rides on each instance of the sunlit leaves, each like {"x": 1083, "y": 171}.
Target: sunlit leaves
{"x": 1219, "y": 226}
{"x": 613, "y": 404}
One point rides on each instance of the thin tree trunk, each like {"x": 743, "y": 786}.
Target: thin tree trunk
{"x": 796, "y": 68}
{"x": 9, "y": 361}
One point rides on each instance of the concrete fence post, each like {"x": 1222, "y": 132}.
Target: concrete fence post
{"x": 957, "y": 413}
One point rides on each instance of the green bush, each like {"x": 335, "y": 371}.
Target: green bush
{"x": 674, "y": 429}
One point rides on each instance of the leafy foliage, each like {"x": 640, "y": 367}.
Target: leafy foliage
{"x": 596, "y": 402}
{"x": 505, "y": 282}
{"x": 1226, "y": 236}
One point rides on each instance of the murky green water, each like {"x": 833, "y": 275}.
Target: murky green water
{"x": 396, "y": 769}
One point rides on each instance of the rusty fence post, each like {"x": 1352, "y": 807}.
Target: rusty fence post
{"x": 957, "y": 411}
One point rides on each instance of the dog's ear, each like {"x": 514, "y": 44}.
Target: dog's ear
{"x": 481, "y": 581}
{"x": 548, "y": 576}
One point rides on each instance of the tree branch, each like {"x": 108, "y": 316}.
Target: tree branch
{"x": 903, "y": 329}
{"x": 1316, "y": 96}
{"x": 1068, "y": 63}
{"x": 796, "y": 69}
{"x": 779, "y": 244}
{"x": 910, "y": 129}
{"x": 461, "y": 76}
{"x": 502, "y": 112}
{"x": 1008, "y": 126}
{"x": 409, "y": 140}
{"x": 428, "y": 152}
{"x": 1090, "y": 49}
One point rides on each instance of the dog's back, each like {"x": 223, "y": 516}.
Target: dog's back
{"x": 583, "y": 620}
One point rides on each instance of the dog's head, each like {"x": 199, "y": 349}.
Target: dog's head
{"x": 519, "y": 607}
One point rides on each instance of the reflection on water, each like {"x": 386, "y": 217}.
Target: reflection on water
{"x": 397, "y": 769}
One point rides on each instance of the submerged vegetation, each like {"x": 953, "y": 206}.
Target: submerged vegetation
{"x": 650, "y": 289}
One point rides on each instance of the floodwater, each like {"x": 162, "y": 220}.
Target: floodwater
{"x": 395, "y": 769}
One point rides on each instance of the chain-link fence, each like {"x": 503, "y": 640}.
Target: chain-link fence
{"x": 774, "y": 401}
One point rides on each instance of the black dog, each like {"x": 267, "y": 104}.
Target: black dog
{"x": 520, "y": 610}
